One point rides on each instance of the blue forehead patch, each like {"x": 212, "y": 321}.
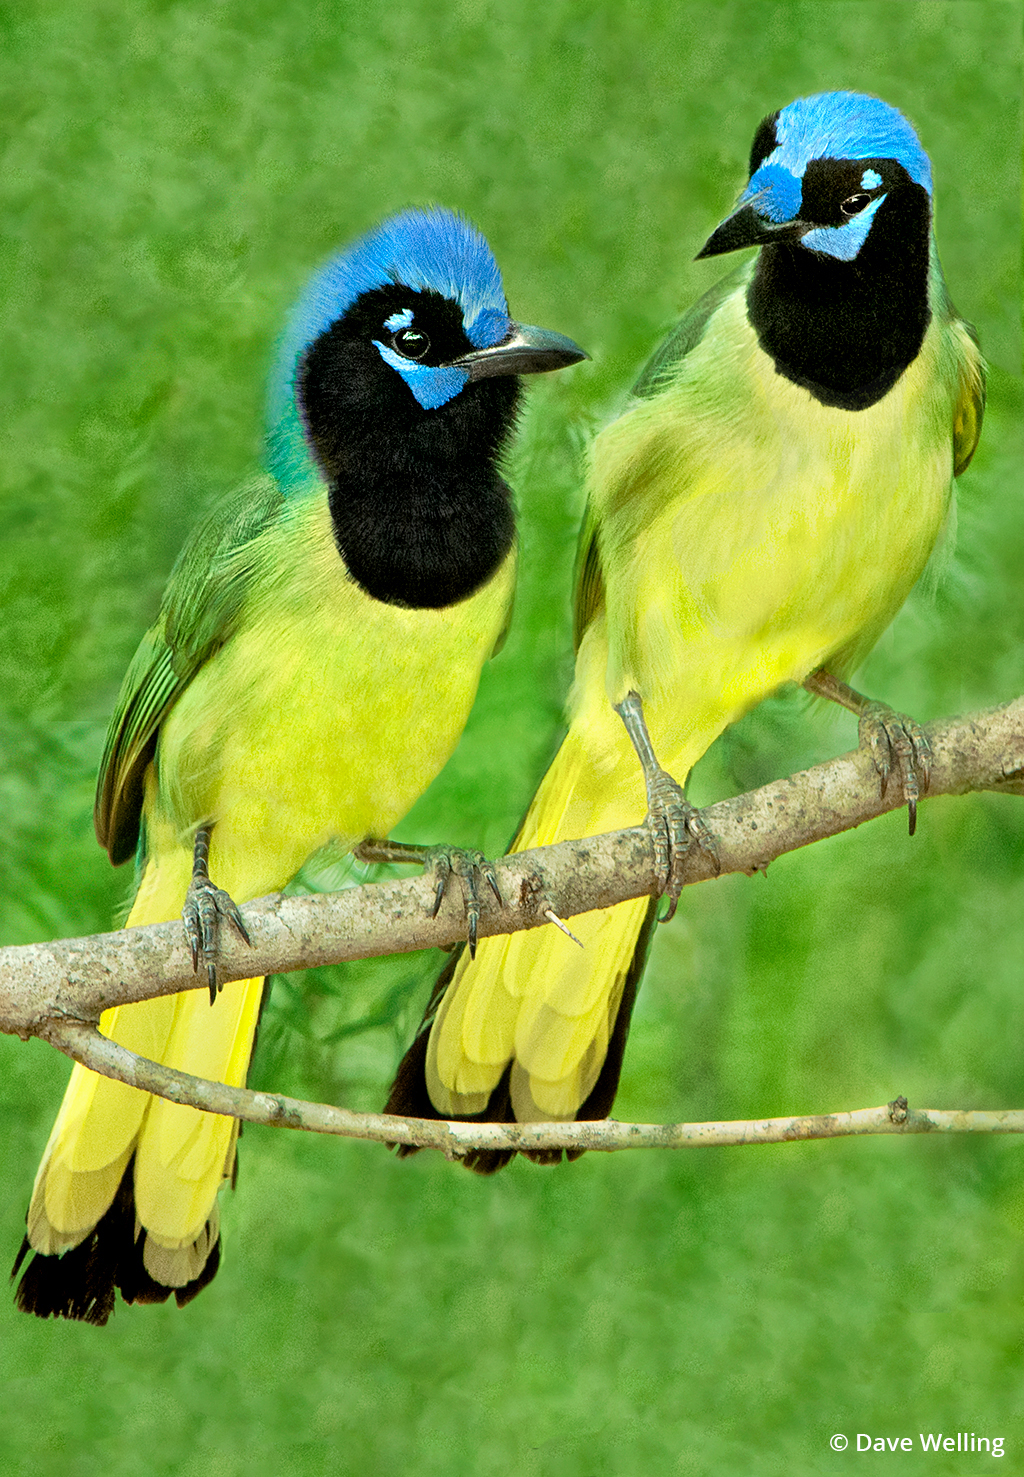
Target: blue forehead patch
{"x": 488, "y": 328}
{"x": 870, "y": 179}
{"x": 774, "y": 193}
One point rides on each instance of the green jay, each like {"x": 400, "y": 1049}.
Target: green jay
{"x": 315, "y": 658}
{"x": 756, "y": 517}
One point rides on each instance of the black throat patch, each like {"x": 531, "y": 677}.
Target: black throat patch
{"x": 421, "y": 514}
{"x": 846, "y": 330}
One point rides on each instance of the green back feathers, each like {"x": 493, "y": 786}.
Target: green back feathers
{"x": 965, "y": 362}
{"x": 967, "y": 422}
{"x": 200, "y": 610}
{"x": 148, "y": 689}
{"x": 970, "y": 404}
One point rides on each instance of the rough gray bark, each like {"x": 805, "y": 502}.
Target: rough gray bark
{"x": 57, "y": 990}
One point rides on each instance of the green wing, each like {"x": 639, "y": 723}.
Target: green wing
{"x": 588, "y": 597}
{"x": 970, "y": 368}
{"x": 199, "y": 612}
{"x": 970, "y": 409}
{"x": 688, "y": 333}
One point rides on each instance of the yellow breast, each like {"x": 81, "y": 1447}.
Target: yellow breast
{"x": 750, "y": 534}
{"x": 328, "y": 713}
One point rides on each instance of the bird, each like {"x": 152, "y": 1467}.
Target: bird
{"x": 316, "y": 655}
{"x": 756, "y": 517}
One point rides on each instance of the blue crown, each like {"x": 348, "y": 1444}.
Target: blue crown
{"x": 425, "y": 250}
{"x": 846, "y": 125}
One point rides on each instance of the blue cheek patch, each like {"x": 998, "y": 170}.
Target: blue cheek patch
{"x": 870, "y": 179}
{"x": 433, "y": 385}
{"x": 843, "y": 242}
{"x": 774, "y": 193}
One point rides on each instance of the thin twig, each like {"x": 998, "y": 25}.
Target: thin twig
{"x": 454, "y": 1139}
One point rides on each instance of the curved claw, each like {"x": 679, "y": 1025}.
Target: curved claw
{"x": 469, "y": 867}
{"x": 675, "y": 827}
{"x": 205, "y": 906}
{"x": 442, "y": 871}
{"x": 897, "y": 744}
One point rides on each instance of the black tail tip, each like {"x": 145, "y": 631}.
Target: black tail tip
{"x": 82, "y": 1284}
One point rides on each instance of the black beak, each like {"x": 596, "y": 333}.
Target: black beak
{"x": 746, "y": 228}
{"x": 525, "y": 350}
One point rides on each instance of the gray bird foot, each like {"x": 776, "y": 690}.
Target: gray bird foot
{"x": 675, "y": 827}
{"x": 205, "y": 905}
{"x": 899, "y": 747}
{"x": 894, "y": 741}
{"x": 445, "y": 862}
{"x": 673, "y": 823}
{"x": 471, "y": 868}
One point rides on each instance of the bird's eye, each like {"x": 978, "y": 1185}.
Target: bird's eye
{"x": 410, "y": 343}
{"x": 854, "y": 204}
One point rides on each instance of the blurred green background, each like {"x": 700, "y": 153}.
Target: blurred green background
{"x": 171, "y": 173}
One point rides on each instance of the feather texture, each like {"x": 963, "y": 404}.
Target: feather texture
{"x": 285, "y": 699}
{"x": 740, "y": 534}
{"x": 280, "y": 756}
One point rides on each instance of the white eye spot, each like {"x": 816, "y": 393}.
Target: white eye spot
{"x": 855, "y": 204}
{"x": 399, "y": 320}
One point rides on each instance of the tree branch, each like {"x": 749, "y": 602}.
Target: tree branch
{"x": 455, "y": 1139}
{"x": 79, "y": 978}
{"x": 56, "y": 991}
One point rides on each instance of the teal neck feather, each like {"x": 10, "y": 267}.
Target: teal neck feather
{"x": 289, "y": 459}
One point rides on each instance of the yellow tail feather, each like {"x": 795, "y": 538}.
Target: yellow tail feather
{"x": 181, "y": 1155}
{"x": 534, "y": 1002}
{"x": 535, "y": 999}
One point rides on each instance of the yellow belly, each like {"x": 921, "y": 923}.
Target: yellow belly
{"x": 325, "y": 718}
{"x": 747, "y": 535}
